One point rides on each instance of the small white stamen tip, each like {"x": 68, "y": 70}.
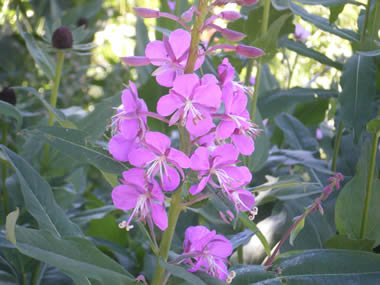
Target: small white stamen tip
{"x": 123, "y": 224}
{"x": 129, "y": 227}
{"x": 230, "y": 277}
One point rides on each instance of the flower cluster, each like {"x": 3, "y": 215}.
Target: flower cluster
{"x": 212, "y": 109}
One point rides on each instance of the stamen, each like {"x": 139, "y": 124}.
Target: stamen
{"x": 230, "y": 277}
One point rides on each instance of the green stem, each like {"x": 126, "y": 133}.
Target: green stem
{"x": 363, "y": 34}
{"x": 369, "y": 184}
{"x": 176, "y": 202}
{"x": 240, "y": 255}
{"x": 336, "y": 146}
{"x": 291, "y": 71}
{"x": 264, "y": 28}
{"x": 5, "y": 168}
{"x": 53, "y": 99}
{"x": 36, "y": 275}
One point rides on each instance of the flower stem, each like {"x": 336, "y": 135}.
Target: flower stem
{"x": 53, "y": 98}
{"x": 4, "y": 168}
{"x": 371, "y": 175}
{"x": 176, "y": 201}
{"x": 336, "y": 146}
{"x": 240, "y": 256}
{"x": 264, "y": 28}
{"x": 363, "y": 34}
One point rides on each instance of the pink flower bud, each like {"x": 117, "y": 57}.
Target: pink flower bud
{"x": 147, "y": 13}
{"x": 187, "y": 16}
{"x": 249, "y": 51}
{"x": 135, "y": 60}
{"x": 246, "y": 2}
{"x": 230, "y": 15}
{"x": 233, "y": 36}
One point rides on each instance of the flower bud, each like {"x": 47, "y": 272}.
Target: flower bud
{"x": 249, "y": 51}
{"x": 62, "y": 38}
{"x": 246, "y": 2}
{"x": 230, "y": 15}
{"x": 82, "y": 22}
{"x": 187, "y": 16}
{"x": 8, "y": 95}
{"x": 233, "y": 36}
{"x": 147, "y": 13}
{"x": 136, "y": 60}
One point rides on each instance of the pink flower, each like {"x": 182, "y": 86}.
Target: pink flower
{"x": 209, "y": 252}
{"x": 158, "y": 156}
{"x": 191, "y": 100}
{"x": 219, "y": 163}
{"x": 244, "y": 201}
{"x": 300, "y": 34}
{"x": 143, "y": 196}
{"x": 120, "y": 147}
{"x": 235, "y": 122}
{"x": 171, "y": 56}
{"x": 130, "y": 119}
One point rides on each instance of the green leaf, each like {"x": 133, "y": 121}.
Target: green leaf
{"x": 296, "y": 134}
{"x": 96, "y": 122}
{"x": 313, "y": 113}
{"x": 350, "y": 204}
{"x": 10, "y": 225}
{"x": 39, "y": 199}
{"x": 7, "y": 109}
{"x": 182, "y": 273}
{"x": 328, "y": 3}
{"x": 77, "y": 145}
{"x": 142, "y": 39}
{"x": 262, "y": 144}
{"x": 334, "y": 12}
{"x": 343, "y": 242}
{"x": 40, "y": 56}
{"x": 373, "y": 126}
{"x": 241, "y": 238}
{"x": 323, "y": 23}
{"x": 302, "y": 49}
{"x": 277, "y": 101}
{"x": 61, "y": 118}
{"x": 77, "y": 256}
{"x": 298, "y": 228}
{"x": 247, "y": 274}
{"x": 359, "y": 93}
{"x": 369, "y": 53}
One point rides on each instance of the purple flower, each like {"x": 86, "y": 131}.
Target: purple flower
{"x": 300, "y": 34}
{"x": 143, "y": 196}
{"x": 235, "y": 122}
{"x": 191, "y": 100}
{"x": 244, "y": 201}
{"x": 158, "y": 156}
{"x": 171, "y": 56}
{"x": 219, "y": 163}
{"x": 209, "y": 252}
{"x": 120, "y": 147}
{"x": 131, "y": 115}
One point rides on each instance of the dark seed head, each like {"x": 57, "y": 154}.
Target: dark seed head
{"x": 82, "y": 22}
{"x": 62, "y": 38}
{"x": 8, "y": 95}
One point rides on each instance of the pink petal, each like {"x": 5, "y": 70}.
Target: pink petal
{"x": 179, "y": 157}
{"x": 199, "y": 62}
{"x": 156, "y": 50}
{"x": 193, "y": 234}
{"x": 202, "y": 184}
{"x": 225, "y": 153}
{"x": 135, "y": 176}
{"x": 129, "y": 128}
{"x": 200, "y": 159}
{"x": 244, "y": 144}
{"x": 171, "y": 179}
{"x": 119, "y": 147}
{"x": 160, "y": 218}
{"x": 128, "y": 101}
{"x": 247, "y": 198}
{"x": 208, "y": 95}
{"x": 240, "y": 174}
{"x": 201, "y": 127}
{"x": 220, "y": 246}
{"x": 180, "y": 42}
{"x": 167, "y": 77}
{"x": 239, "y": 103}
{"x": 125, "y": 197}
{"x": 158, "y": 140}
{"x": 185, "y": 84}
{"x": 225, "y": 129}
{"x": 228, "y": 96}
{"x": 157, "y": 192}
{"x": 141, "y": 157}
{"x": 167, "y": 104}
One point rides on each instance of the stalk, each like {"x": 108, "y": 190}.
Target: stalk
{"x": 5, "y": 168}
{"x": 336, "y": 146}
{"x": 363, "y": 34}
{"x": 176, "y": 202}
{"x": 264, "y": 28}
{"x": 53, "y": 98}
{"x": 369, "y": 184}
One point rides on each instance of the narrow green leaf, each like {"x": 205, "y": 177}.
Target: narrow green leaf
{"x": 369, "y": 53}
{"x": 182, "y": 273}
{"x": 323, "y": 23}
{"x": 359, "y": 93}
{"x": 262, "y": 145}
{"x": 302, "y": 49}
{"x": 298, "y": 228}
{"x": 9, "y": 110}
{"x": 77, "y": 145}
{"x": 334, "y": 12}
{"x": 75, "y": 255}
{"x": 39, "y": 199}
{"x": 328, "y": 3}
{"x": 57, "y": 113}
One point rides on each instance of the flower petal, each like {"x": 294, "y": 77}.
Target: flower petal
{"x": 125, "y": 197}
{"x": 180, "y": 42}
{"x": 128, "y": 101}
{"x": 167, "y": 104}
{"x": 185, "y": 84}
{"x": 135, "y": 176}
{"x": 200, "y": 159}
{"x": 160, "y": 218}
{"x": 208, "y": 95}
{"x": 225, "y": 153}
{"x": 129, "y": 128}
{"x": 171, "y": 179}
{"x": 244, "y": 144}
{"x": 141, "y": 157}
{"x": 201, "y": 127}
{"x": 158, "y": 140}
{"x": 156, "y": 50}
{"x": 179, "y": 158}
{"x": 119, "y": 147}
{"x": 167, "y": 77}
{"x": 225, "y": 129}
{"x": 202, "y": 184}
